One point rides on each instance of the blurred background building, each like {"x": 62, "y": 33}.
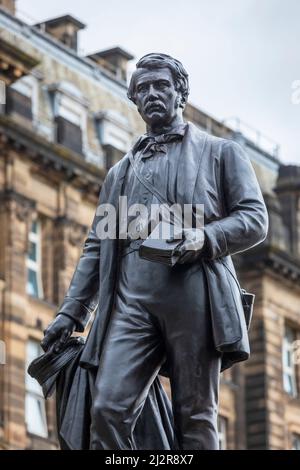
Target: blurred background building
{"x": 66, "y": 120}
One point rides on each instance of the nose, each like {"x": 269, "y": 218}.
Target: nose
{"x": 152, "y": 93}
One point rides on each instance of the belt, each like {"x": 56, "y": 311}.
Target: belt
{"x": 128, "y": 246}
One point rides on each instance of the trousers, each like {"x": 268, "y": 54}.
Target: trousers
{"x": 160, "y": 315}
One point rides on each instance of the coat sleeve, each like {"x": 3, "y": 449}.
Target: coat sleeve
{"x": 83, "y": 294}
{"x": 246, "y": 219}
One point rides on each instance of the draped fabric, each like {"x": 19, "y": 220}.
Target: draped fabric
{"x": 74, "y": 389}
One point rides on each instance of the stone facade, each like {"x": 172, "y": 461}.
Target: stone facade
{"x": 67, "y": 121}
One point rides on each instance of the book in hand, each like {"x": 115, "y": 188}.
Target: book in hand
{"x": 162, "y": 245}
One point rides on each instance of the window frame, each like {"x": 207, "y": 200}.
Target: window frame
{"x": 34, "y": 391}
{"x": 69, "y": 104}
{"x": 295, "y": 438}
{"x": 289, "y": 372}
{"x": 222, "y": 432}
{"x": 35, "y": 266}
{"x": 27, "y": 86}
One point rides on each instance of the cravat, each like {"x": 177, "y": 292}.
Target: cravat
{"x": 158, "y": 144}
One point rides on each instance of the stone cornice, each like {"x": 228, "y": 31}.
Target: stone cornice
{"x": 25, "y": 205}
{"x": 14, "y": 63}
{"x": 50, "y": 156}
{"x": 47, "y": 44}
{"x": 267, "y": 256}
{"x": 77, "y": 231}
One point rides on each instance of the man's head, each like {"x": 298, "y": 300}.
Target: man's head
{"x": 159, "y": 87}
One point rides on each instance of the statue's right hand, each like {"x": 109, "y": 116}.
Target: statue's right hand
{"x": 58, "y": 332}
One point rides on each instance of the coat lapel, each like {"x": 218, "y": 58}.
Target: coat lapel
{"x": 116, "y": 188}
{"x": 107, "y": 276}
{"x": 193, "y": 146}
{"x": 191, "y": 155}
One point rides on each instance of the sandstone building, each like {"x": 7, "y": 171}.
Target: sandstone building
{"x": 64, "y": 121}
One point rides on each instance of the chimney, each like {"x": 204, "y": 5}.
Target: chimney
{"x": 114, "y": 60}
{"x": 9, "y": 5}
{"x": 64, "y": 28}
{"x": 288, "y": 192}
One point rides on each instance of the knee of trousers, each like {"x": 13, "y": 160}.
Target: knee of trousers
{"x": 106, "y": 413}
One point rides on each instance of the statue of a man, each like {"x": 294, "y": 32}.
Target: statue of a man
{"x": 188, "y": 318}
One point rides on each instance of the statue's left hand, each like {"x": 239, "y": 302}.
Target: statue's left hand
{"x": 192, "y": 247}
{"x": 58, "y": 332}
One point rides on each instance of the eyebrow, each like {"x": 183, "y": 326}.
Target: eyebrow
{"x": 146, "y": 82}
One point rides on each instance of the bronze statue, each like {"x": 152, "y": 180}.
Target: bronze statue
{"x": 187, "y": 321}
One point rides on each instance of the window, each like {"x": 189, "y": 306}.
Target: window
{"x": 70, "y": 112}
{"x": 35, "y": 407}
{"x": 69, "y": 134}
{"x": 2, "y": 353}
{"x": 222, "y": 427}
{"x": 296, "y": 442}
{"x": 34, "y": 279}
{"x": 2, "y": 93}
{"x": 18, "y": 103}
{"x": 115, "y": 135}
{"x": 289, "y": 368}
{"x": 21, "y": 97}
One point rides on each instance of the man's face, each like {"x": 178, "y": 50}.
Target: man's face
{"x": 156, "y": 97}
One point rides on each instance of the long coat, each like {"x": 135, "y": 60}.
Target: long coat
{"x": 214, "y": 172}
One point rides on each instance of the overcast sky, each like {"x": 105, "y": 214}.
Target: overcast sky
{"x": 242, "y": 55}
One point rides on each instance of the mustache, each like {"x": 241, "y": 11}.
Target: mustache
{"x": 154, "y": 104}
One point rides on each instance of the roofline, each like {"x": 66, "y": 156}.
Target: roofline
{"x": 27, "y": 29}
{"x": 230, "y": 131}
{"x": 100, "y": 70}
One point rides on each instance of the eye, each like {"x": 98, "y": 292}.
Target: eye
{"x": 162, "y": 85}
{"x": 141, "y": 88}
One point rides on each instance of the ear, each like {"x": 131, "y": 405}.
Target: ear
{"x": 178, "y": 101}
{"x": 182, "y": 102}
